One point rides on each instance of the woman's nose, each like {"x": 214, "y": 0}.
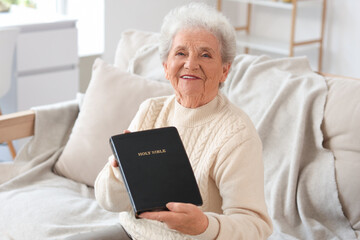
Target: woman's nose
{"x": 191, "y": 63}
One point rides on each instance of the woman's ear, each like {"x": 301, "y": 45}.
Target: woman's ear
{"x": 226, "y": 70}
{"x": 166, "y": 70}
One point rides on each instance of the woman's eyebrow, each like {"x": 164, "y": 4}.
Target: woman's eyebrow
{"x": 201, "y": 49}
{"x": 207, "y": 49}
{"x": 177, "y": 48}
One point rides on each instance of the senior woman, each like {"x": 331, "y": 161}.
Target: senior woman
{"x": 197, "y": 47}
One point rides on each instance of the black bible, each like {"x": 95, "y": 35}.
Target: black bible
{"x": 155, "y": 169}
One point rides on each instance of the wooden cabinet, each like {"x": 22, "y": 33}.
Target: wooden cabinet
{"x": 247, "y": 40}
{"x": 46, "y": 66}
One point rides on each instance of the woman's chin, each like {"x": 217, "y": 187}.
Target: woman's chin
{"x": 191, "y": 88}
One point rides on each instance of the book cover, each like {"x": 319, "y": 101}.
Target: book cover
{"x": 155, "y": 168}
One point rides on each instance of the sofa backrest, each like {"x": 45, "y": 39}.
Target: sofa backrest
{"x": 137, "y": 53}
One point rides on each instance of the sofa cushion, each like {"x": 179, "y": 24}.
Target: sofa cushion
{"x": 341, "y": 135}
{"x": 111, "y": 101}
{"x": 138, "y": 53}
{"x": 130, "y": 42}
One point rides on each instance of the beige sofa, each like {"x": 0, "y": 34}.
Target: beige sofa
{"x": 69, "y": 147}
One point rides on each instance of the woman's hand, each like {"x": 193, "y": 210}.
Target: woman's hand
{"x": 183, "y": 217}
{"x": 113, "y": 161}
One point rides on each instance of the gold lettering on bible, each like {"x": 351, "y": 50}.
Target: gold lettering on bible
{"x": 147, "y": 153}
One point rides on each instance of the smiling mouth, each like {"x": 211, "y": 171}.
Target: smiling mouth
{"x": 189, "y": 77}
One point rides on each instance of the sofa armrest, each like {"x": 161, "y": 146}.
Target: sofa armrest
{"x": 17, "y": 125}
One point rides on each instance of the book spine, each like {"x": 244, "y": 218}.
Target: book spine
{"x": 123, "y": 176}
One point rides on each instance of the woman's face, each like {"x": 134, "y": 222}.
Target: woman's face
{"x": 194, "y": 67}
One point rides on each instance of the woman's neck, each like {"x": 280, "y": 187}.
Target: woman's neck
{"x": 192, "y": 117}
{"x": 194, "y": 101}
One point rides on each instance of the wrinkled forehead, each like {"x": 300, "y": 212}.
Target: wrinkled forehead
{"x": 199, "y": 39}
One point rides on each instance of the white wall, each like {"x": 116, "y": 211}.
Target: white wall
{"x": 342, "y": 33}
{"x": 342, "y": 38}
{"x": 136, "y": 14}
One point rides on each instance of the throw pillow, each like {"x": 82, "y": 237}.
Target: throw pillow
{"x": 110, "y": 102}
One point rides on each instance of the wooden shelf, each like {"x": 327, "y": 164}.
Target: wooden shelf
{"x": 270, "y": 45}
{"x": 248, "y": 41}
{"x": 278, "y": 4}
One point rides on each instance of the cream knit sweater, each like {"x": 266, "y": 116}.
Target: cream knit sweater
{"x": 226, "y": 155}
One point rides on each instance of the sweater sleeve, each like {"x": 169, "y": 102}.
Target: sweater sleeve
{"x": 110, "y": 191}
{"x": 239, "y": 175}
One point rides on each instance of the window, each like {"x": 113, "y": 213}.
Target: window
{"x": 27, "y": 3}
{"x": 90, "y": 16}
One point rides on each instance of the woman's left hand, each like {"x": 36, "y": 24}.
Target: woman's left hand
{"x": 183, "y": 217}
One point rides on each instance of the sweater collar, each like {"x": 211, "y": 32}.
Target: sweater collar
{"x": 192, "y": 117}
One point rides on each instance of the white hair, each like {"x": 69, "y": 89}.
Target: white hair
{"x": 198, "y": 15}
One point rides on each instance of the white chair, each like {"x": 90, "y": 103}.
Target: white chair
{"x": 8, "y": 38}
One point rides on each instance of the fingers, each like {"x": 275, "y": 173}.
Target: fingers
{"x": 174, "y": 209}
{"x": 180, "y": 207}
{"x": 152, "y": 216}
{"x": 183, "y": 217}
{"x": 113, "y": 161}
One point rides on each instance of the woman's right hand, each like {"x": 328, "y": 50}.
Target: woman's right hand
{"x": 113, "y": 161}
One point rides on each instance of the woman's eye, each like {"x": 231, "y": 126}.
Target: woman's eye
{"x": 180, "y": 54}
{"x": 206, "y": 55}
